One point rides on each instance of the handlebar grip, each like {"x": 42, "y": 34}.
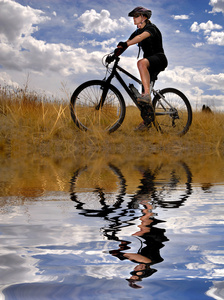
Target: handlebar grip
{"x": 122, "y": 46}
{"x": 118, "y": 51}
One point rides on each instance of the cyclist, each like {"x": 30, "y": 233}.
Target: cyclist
{"x": 149, "y": 39}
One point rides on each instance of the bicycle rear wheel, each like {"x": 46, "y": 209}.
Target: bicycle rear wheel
{"x": 88, "y": 114}
{"x": 173, "y": 111}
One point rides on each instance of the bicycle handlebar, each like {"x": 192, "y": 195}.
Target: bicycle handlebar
{"x": 117, "y": 52}
{"x": 110, "y": 58}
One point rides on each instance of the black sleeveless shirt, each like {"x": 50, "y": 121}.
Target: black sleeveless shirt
{"x": 153, "y": 44}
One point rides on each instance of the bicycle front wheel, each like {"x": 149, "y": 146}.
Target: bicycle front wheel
{"x": 89, "y": 113}
{"x": 173, "y": 111}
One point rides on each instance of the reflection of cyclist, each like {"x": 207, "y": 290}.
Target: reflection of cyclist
{"x": 149, "y": 252}
{"x": 149, "y": 38}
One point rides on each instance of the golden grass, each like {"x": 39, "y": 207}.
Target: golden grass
{"x": 31, "y": 123}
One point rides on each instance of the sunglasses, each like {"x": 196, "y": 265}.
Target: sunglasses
{"x": 137, "y": 15}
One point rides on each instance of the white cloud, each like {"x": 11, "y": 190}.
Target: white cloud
{"x": 216, "y": 38}
{"x": 17, "y": 21}
{"x": 181, "y": 75}
{"x": 197, "y": 45}
{"x": 190, "y": 81}
{"x": 206, "y": 27}
{"x": 218, "y": 6}
{"x": 197, "y": 91}
{"x": 211, "y": 36}
{"x": 101, "y": 22}
{"x": 107, "y": 45}
{"x": 180, "y": 17}
{"x": 190, "y": 76}
{"x": 5, "y": 79}
{"x": 21, "y": 51}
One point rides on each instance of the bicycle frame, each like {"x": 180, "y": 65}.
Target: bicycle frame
{"x": 114, "y": 73}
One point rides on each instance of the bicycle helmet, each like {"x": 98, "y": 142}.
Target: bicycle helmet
{"x": 142, "y": 11}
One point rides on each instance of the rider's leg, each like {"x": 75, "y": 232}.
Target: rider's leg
{"x": 143, "y": 65}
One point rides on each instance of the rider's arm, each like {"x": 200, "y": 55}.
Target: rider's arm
{"x": 122, "y": 46}
{"x": 138, "y": 38}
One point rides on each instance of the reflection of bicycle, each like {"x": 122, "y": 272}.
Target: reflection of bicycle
{"x": 96, "y": 201}
{"x": 155, "y": 189}
{"x": 98, "y": 103}
{"x": 167, "y": 186}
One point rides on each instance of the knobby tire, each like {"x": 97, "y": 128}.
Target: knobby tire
{"x": 174, "y": 117}
{"x": 89, "y": 115}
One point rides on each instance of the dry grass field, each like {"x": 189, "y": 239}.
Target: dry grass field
{"x": 31, "y": 123}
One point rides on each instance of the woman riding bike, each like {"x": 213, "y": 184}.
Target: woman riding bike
{"x": 149, "y": 39}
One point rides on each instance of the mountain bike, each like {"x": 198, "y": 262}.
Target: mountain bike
{"x": 98, "y": 103}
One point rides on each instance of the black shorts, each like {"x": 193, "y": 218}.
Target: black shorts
{"x": 157, "y": 63}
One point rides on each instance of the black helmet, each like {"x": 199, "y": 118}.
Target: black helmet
{"x": 142, "y": 11}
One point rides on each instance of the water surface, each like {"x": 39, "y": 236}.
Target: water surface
{"x": 112, "y": 227}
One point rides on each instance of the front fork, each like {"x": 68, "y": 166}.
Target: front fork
{"x": 105, "y": 88}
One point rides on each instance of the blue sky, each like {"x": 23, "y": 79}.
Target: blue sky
{"x": 54, "y": 45}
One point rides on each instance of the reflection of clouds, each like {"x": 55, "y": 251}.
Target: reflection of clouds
{"x": 37, "y": 230}
{"x": 196, "y": 229}
{"x": 216, "y": 259}
{"x": 186, "y": 225}
{"x": 50, "y": 230}
{"x": 211, "y": 271}
{"x": 199, "y": 214}
{"x": 213, "y": 264}
{"x": 21, "y": 268}
{"x": 217, "y": 290}
{"x": 109, "y": 271}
